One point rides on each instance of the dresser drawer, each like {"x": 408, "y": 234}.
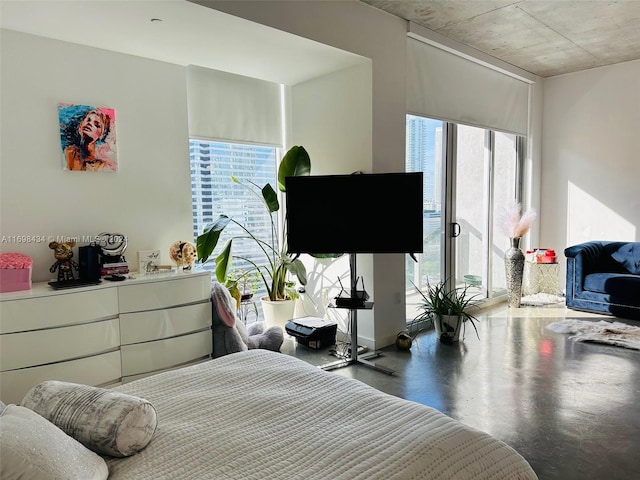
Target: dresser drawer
{"x": 170, "y": 322}
{"x": 57, "y": 310}
{"x": 100, "y": 369}
{"x": 179, "y": 290}
{"x": 161, "y": 354}
{"x": 27, "y": 349}
{"x": 131, "y": 378}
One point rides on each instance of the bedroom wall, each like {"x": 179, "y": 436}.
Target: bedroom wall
{"x": 590, "y": 166}
{"x": 340, "y": 102}
{"x": 356, "y": 27}
{"x": 149, "y": 199}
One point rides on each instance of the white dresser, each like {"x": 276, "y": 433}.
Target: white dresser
{"x": 105, "y": 334}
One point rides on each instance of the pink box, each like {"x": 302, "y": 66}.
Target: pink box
{"x": 14, "y": 279}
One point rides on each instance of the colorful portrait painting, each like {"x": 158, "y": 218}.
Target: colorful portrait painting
{"x": 88, "y": 138}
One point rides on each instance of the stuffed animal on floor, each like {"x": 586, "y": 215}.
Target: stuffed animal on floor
{"x": 230, "y": 335}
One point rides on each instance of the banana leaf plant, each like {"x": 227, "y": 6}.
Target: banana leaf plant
{"x": 274, "y": 272}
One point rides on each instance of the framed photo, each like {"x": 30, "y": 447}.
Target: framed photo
{"x": 148, "y": 262}
{"x": 88, "y": 138}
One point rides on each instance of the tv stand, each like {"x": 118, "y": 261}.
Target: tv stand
{"x": 352, "y": 358}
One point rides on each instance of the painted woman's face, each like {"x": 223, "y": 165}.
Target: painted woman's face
{"x": 91, "y": 126}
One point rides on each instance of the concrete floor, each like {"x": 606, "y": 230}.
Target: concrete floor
{"x": 571, "y": 409}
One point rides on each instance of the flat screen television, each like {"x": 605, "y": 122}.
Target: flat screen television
{"x": 358, "y": 213}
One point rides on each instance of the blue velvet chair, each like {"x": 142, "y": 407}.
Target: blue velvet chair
{"x": 604, "y": 277}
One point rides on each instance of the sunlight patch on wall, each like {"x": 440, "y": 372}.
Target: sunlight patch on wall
{"x": 589, "y": 219}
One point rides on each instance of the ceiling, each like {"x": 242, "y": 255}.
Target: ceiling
{"x": 543, "y": 37}
{"x": 182, "y": 33}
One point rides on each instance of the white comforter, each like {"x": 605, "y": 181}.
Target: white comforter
{"x": 263, "y": 415}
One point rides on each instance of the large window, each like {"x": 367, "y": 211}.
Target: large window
{"x": 469, "y": 174}
{"x": 213, "y": 164}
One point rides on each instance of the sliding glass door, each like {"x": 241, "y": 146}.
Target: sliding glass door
{"x": 470, "y": 173}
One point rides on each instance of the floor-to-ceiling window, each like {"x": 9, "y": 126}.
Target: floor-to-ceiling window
{"x": 469, "y": 174}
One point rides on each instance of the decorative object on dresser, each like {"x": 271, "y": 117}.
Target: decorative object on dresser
{"x": 63, "y": 253}
{"x": 148, "y": 262}
{"x": 15, "y": 272}
{"x": 112, "y": 246}
{"x": 277, "y": 264}
{"x": 515, "y": 225}
{"x": 183, "y": 254}
{"x": 103, "y": 334}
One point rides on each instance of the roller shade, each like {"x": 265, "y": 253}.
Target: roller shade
{"x": 449, "y": 87}
{"x": 226, "y": 106}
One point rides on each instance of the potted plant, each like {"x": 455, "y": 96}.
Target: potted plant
{"x": 278, "y": 264}
{"x": 448, "y": 309}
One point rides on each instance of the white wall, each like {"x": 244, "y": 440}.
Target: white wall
{"x": 590, "y": 161}
{"x": 149, "y": 199}
{"x": 341, "y": 103}
{"x": 356, "y": 27}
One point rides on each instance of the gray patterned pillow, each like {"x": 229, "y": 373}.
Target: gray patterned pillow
{"x": 31, "y": 448}
{"x": 107, "y": 422}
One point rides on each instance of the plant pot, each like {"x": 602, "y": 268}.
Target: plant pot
{"x": 278, "y": 312}
{"x": 448, "y": 328}
{"x": 404, "y": 340}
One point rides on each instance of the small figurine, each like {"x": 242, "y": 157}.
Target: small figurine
{"x": 63, "y": 253}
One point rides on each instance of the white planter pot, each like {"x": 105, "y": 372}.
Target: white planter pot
{"x": 454, "y": 321}
{"x": 277, "y": 313}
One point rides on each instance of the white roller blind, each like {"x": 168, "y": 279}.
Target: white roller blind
{"x": 449, "y": 87}
{"x": 226, "y": 106}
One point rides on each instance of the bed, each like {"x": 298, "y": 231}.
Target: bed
{"x": 263, "y": 415}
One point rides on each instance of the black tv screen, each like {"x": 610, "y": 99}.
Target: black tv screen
{"x": 358, "y": 213}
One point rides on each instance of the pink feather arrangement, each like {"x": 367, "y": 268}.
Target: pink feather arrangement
{"x": 513, "y": 223}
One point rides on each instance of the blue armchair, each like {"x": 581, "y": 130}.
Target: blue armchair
{"x": 604, "y": 277}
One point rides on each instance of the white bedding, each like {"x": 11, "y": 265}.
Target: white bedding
{"x": 263, "y": 415}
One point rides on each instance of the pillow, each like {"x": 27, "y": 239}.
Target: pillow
{"x": 107, "y": 422}
{"x": 2, "y": 407}
{"x": 628, "y": 255}
{"x": 31, "y": 448}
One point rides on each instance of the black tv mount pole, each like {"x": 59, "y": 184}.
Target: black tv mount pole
{"x": 357, "y": 301}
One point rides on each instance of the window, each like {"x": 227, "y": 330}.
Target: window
{"x": 213, "y": 164}
{"x": 469, "y": 174}
{"x": 425, "y": 154}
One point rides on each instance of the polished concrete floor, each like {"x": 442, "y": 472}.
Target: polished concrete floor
{"x": 571, "y": 409}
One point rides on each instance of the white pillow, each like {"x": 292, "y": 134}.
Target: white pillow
{"x": 106, "y": 421}
{"x": 31, "y": 448}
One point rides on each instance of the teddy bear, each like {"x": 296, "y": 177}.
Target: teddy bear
{"x": 63, "y": 253}
{"x": 230, "y": 335}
